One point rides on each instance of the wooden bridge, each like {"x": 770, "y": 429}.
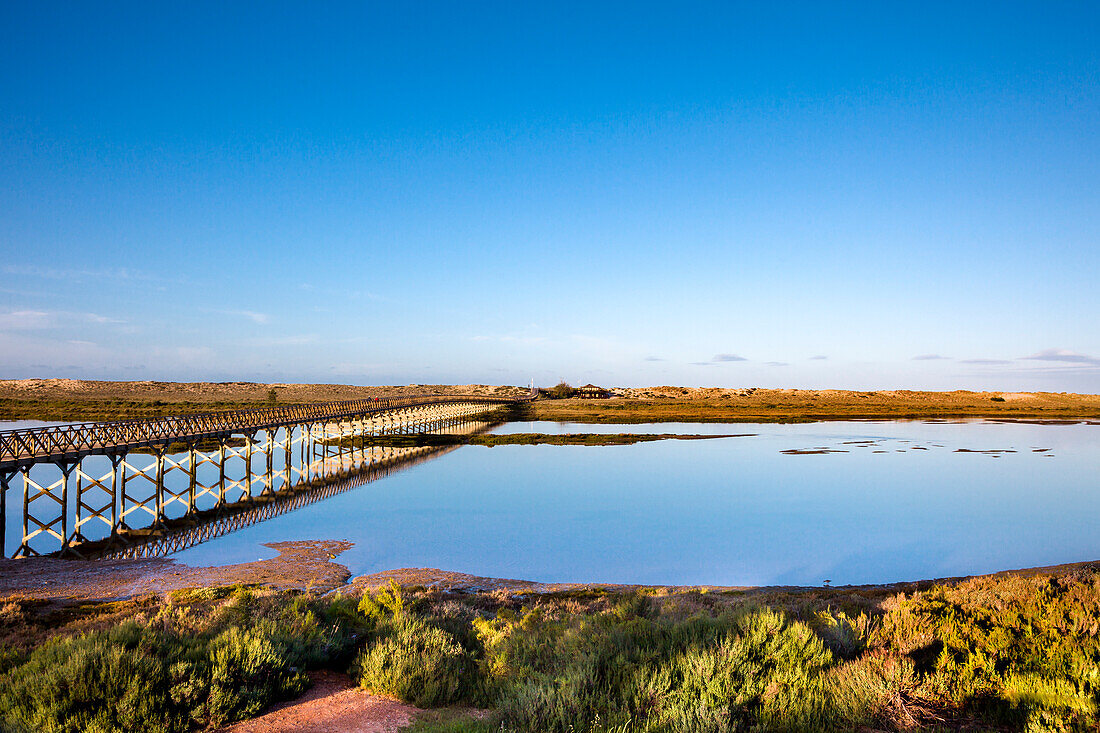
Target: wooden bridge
{"x": 87, "y": 492}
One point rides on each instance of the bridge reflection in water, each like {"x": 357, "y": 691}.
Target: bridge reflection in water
{"x": 150, "y": 489}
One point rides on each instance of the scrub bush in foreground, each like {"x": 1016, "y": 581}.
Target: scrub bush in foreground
{"x": 1007, "y": 653}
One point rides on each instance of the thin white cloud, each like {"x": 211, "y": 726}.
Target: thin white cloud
{"x": 1063, "y": 355}
{"x": 33, "y": 320}
{"x": 819, "y": 357}
{"x": 722, "y": 358}
{"x": 985, "y": 362}
{"x": 930, "y": 357}
{"x": 25, "y": 320}
{"x": 254, "y": 316}
{"x": 96, "y": 318}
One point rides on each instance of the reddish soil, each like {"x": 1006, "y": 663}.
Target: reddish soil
{"x": 334, "y": 705}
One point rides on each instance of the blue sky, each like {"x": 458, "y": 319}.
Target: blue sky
{"x": 704, "y": 194}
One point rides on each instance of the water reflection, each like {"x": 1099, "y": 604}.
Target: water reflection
{"x": 197, "y": 497}
{"x": 899, "y": 500}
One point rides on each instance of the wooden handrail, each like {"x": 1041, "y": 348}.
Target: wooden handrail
{"x": 28, "y": 446}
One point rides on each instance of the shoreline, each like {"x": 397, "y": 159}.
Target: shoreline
{"x": 375, "y": 648}
{"x": 313, "y": 566}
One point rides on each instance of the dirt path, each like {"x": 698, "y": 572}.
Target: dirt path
{"x": 333, "y": 705}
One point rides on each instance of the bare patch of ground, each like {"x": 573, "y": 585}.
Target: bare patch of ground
{"x": 333, "y": 704}
{"x": 300, "y": 565}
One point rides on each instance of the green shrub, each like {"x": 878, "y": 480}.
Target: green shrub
{"x": 419, "y": 664}
{"x": 631, "y": 671}
{"x": 561, "y": 391}
{"x": 867, "y": 692}
{"x": 105, "y": 681}
{"x": 312, "y": 637}
{"x": 385, "y": 606}
{"x": 1009, "y": 649}
{"x": 846, "y": 637}
{"x": 760, "y": 668}
{"x": 248, "y": 672}
{"x": 134, "y": 677}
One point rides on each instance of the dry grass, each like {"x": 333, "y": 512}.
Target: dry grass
{"x": 72, "y": 399}
{"x": 67, "y": 399}
{"x": 681, "y": 404}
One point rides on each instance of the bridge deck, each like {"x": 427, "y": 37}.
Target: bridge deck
{"x": 65, "y": 443}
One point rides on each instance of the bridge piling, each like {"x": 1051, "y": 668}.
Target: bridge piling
{"x": 136, "y": 499}
{"x": 192, "y": 475}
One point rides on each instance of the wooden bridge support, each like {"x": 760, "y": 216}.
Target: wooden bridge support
{"x": 140, "y": 495}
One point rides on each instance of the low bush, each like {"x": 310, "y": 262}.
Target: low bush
{"x": 420, "y": 664}
{"x": 1018, "y": 650}
{"x": 176, "y": 672}
{"x": 107, "y": 681}
{"x": 1010, "y": 653}
{"x": 631, "y": 667}
{"x": 249, "y": 671}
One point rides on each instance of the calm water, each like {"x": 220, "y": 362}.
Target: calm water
{"x": 901, "y": 502}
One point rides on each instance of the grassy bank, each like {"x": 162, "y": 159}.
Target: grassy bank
{"x": 999, "y": 653}
{"x": 809, "y": 406}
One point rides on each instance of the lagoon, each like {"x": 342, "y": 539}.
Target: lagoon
{"x": 897, "y": 500}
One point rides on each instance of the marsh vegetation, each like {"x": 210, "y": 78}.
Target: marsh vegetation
{"x": 92, "y": 400}
{"x": 1005, "y": 653}
{"x": 490, "y": 440}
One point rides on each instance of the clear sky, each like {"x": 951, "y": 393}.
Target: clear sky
{"x": 859, "y": 195}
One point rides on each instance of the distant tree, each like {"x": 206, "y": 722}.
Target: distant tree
{"x": 561, "y": 391}
{"x": 272, "y": 396}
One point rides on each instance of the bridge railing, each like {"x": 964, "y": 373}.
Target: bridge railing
{"x": 33, "y": 445}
